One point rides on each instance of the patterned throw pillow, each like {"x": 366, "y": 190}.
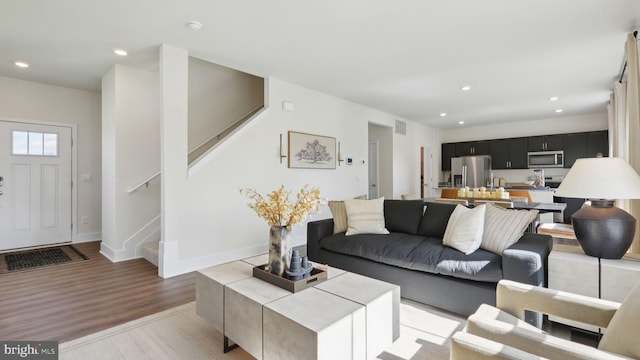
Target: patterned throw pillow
{"x": 503, "y": 227}
{"x": 339, "y": 212}
{"x": 365, "y": 217}
{"x": 465, "y": 228}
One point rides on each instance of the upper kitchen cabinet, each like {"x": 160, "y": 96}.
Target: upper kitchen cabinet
{"x": 472, "y": 148}
{"x": 575, "y": 147}
{"x": 448, "y": 151}
{"x": 598, "y": 142}
{"x": 544, "y": 143}
{"x": 508, "y": 153}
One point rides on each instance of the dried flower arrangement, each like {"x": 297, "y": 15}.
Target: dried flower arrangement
{"x": 276, "y": 208}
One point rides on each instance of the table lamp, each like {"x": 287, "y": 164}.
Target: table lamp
{"x": 602, "y": 229}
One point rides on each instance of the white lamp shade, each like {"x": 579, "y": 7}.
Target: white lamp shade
{"x": 600, "y": 178}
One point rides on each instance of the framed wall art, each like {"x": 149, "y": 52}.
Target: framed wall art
{"x": 308, "y": 151}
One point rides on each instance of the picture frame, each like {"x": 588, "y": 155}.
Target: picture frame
{"x": 309, "y": 151}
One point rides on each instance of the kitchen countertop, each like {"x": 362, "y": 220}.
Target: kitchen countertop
{"x": 546, "y": 188}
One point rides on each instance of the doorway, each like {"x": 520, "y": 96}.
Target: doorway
{"x": 426, "y": 172}
{"x": 374, "y": 175}
{"x": 35, "y": 184}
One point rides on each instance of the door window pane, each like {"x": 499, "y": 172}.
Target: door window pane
{"x": 50, "y": 146}
{"x": 35, "y": 143}
{"x": 20, "y": 140}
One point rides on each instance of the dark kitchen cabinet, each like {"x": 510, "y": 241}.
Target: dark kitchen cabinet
{"x": 472, "y": 148}
{"x": 575, "y": 147}
{"x": 544, "y": 143}
{"x": 598, "y": 142}
{"x": 448, "y": 151}
{"x": 508, "y": 153}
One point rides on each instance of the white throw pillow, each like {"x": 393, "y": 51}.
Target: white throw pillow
{"x": 465, "y": 228}
{"x": 503, "y": 227}
{"x": 365, "y": 217}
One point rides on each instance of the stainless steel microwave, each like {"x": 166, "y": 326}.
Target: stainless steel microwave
{"x": 541, "y": 159}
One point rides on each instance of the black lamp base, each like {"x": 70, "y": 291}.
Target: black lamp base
{"x": 604, "y": 230}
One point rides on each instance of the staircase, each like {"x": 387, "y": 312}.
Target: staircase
{"x": 150, "y": 251}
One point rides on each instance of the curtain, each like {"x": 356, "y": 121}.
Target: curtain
{"x": 633, "y": 120}
{"x": 624, "y": 126}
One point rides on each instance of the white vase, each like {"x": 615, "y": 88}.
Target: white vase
{"x": 279, "y": 250}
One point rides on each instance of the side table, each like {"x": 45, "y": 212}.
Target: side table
{"x": 572, "y": 271}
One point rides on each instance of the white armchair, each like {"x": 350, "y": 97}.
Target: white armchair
{"x": 499, "y": 332}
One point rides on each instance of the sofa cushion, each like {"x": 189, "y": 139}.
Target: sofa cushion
{"x": 465, "y": 229}
{"x": 503, "y": 227}
{"x": 403, "y": 216}
{"x": 481, "y": 265}
{"x": 365, "y": 217}
{"x": 398, "y": 249}
{"x": 435, "y": 219}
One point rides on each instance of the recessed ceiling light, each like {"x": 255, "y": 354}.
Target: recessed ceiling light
{"x": 465, "y": 88}
{"x": 461, "y": 122}
{"x": 559, "y": 110}
{"x": 120, "y": 52}
{"x": 554, "y": 98}
{"x": 194, "y": 25}
{"x": 21, "y": 64}
{"x": 443, "y": 114}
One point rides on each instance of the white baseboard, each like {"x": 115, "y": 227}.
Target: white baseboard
{"x": 130, "y": 248}
{"x": 88, "y": 237}
{"x": 170, "y": 266}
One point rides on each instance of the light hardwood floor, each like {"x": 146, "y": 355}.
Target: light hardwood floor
{"x": 66, "y": 302}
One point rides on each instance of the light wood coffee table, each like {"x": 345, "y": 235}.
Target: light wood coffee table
{"x": 348, "y": 316}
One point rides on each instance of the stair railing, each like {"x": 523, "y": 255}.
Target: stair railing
{"x": 144, "y": 182}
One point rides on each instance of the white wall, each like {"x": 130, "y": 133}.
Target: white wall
{"x": 131, "y": 153}
{"x": 556, "y": 125}
{"x": 406, "y": 154}
{"x": 28, "y": 100}
{"x": 205, "y": 218}
{"x": 218, "y": 97}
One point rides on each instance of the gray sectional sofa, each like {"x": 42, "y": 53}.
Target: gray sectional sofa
{"x": 413, "y": 256}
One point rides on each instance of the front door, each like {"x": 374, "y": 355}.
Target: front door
{"x": 35, "y": 185}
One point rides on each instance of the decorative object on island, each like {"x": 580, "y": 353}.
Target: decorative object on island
{"x": 307, "y": 151}
{"x": 603, "y": 230}
{"x": 281, "y": 215}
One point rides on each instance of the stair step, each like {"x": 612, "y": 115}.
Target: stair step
{"x": 150, "y": 251}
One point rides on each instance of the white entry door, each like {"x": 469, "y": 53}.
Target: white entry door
{"x": 35, "y": 167}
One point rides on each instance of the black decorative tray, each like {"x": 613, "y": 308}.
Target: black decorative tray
{"x": 317, "y": 276}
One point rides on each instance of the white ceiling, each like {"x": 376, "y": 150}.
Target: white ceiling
{"x": 405, "y": 57}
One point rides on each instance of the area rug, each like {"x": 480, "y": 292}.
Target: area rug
{"x": 179, "y": 333}
{"x": 38, "y": 258}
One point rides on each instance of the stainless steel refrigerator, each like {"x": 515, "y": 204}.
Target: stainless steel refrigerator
{"x": 471, "y": 171}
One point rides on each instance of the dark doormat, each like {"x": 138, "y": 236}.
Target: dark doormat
{"x": 37, "y": 258}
